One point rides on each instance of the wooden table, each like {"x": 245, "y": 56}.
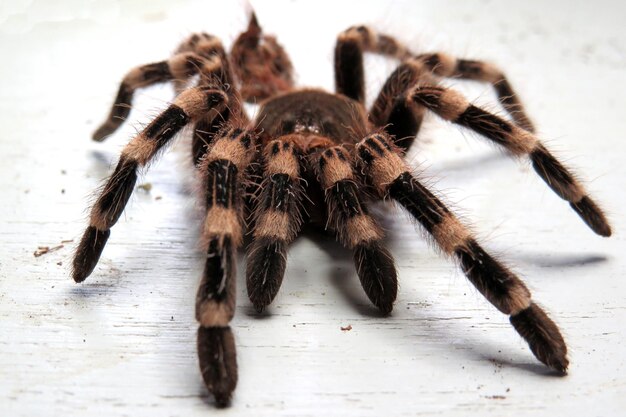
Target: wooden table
{"x": 123, "y": 343}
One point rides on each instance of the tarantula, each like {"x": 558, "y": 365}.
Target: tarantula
{"x": 319, "y": 157}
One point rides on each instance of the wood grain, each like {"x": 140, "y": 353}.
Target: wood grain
{"x": 123, "y": 343}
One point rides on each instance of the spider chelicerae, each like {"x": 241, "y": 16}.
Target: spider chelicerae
{"x": 311, "y": 156}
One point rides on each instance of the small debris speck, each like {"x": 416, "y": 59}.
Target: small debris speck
{"x": 347, "y": 328}
{"x": 146, "y": 187}
{"x": 158, "y": 197}
{"x": 42, "y": 250}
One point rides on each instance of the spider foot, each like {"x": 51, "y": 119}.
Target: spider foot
{"x": 591, "y": 214}
{"x": 218, "y": 362}
{"x": 88, "y": 253}
{"x": 543, "y": 337}
{"x": 105, "y": 130}
{"x": 377, "y": 274}
{"x": 264, "y": 274}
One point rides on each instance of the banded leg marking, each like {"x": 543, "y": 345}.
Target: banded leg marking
{"x": 452, "y": 106}
{"x": 140, "y": 150}
{"x": 222, "y": 169}
{"x": 401, "y": 118}
{"x": 356, "y": 228}
{"x": 200, "y": 54}
{"x": 445, "y": 65}
{"x": 391, "y": 177}
{"x": 277, "y": 221}
{"x": 351, "y": 44}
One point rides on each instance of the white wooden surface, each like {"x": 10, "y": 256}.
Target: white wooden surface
{"x": 123, "y": 342}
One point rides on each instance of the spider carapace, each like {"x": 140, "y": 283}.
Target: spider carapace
{"x": 313, "y": 113}
{"x": 311, "y": 155}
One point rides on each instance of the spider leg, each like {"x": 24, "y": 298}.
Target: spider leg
{"x": 216, "y": 70}
{"x": 391, "y": 107}
{"x": 452, "y": 106}
{"x": 188, "y": 107}
{"x": 402, "y": 119}
{"x": 277, "y": 221}
{"x": 206, "y": 129}
{"x": 222, "y": 168}
{"x": 205, "y": 46}
{"x": 351, "y": 43}
{"x": 204, "y": 56}
{"x": 445, "y": 65}
{"x": 356, "y": 229}
{"x": 391, "y": 177}
{"x": 204, "y": 133}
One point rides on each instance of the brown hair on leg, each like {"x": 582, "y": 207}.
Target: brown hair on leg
{"x": 222, "y": 170}
{"x": 113, "y": 198}
{"x": 355, "y": 227}
{"x": 452, "y": 106}
{"x": 493, "y": 279}
{"x": 277, "y": 221}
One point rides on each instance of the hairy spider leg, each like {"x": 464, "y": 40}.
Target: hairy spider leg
{"x": 355, "y": 227}
{"x": 444, "y": 65}
{"x": 452, "y": 106}
{"x": 223, "y": 170}
{"x": 216, "y": 70}
{"x": 351, "y": 43}
{"x": 188, "y": 107}
{"x": 391, "y": 110}
{"x": 180, "y": 67}
{"x": 277, "y": 220}
{"x": 202, "y": 44}
{"x": 402, "y": 118}
{"x": 391, "y": 177}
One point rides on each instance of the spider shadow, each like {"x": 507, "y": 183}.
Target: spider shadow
{"x": 481, "y": 165}
{"x": 536, "y": 368}
{"x": 566, "y": 260}
{"x": 92, "y": 290}
{"x": 343, "y": 275}
{"x": 101, "y": 163}
{"x": 109, "y": 280}
{"x": 443, "y": 331}
{"x": 206, "y": 398}
{"x": 471, "y": 165}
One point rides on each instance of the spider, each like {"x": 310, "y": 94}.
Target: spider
{"x": 310, "y": 156}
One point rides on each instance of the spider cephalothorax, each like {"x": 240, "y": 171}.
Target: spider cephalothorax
{"x": 314, "y": 156}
